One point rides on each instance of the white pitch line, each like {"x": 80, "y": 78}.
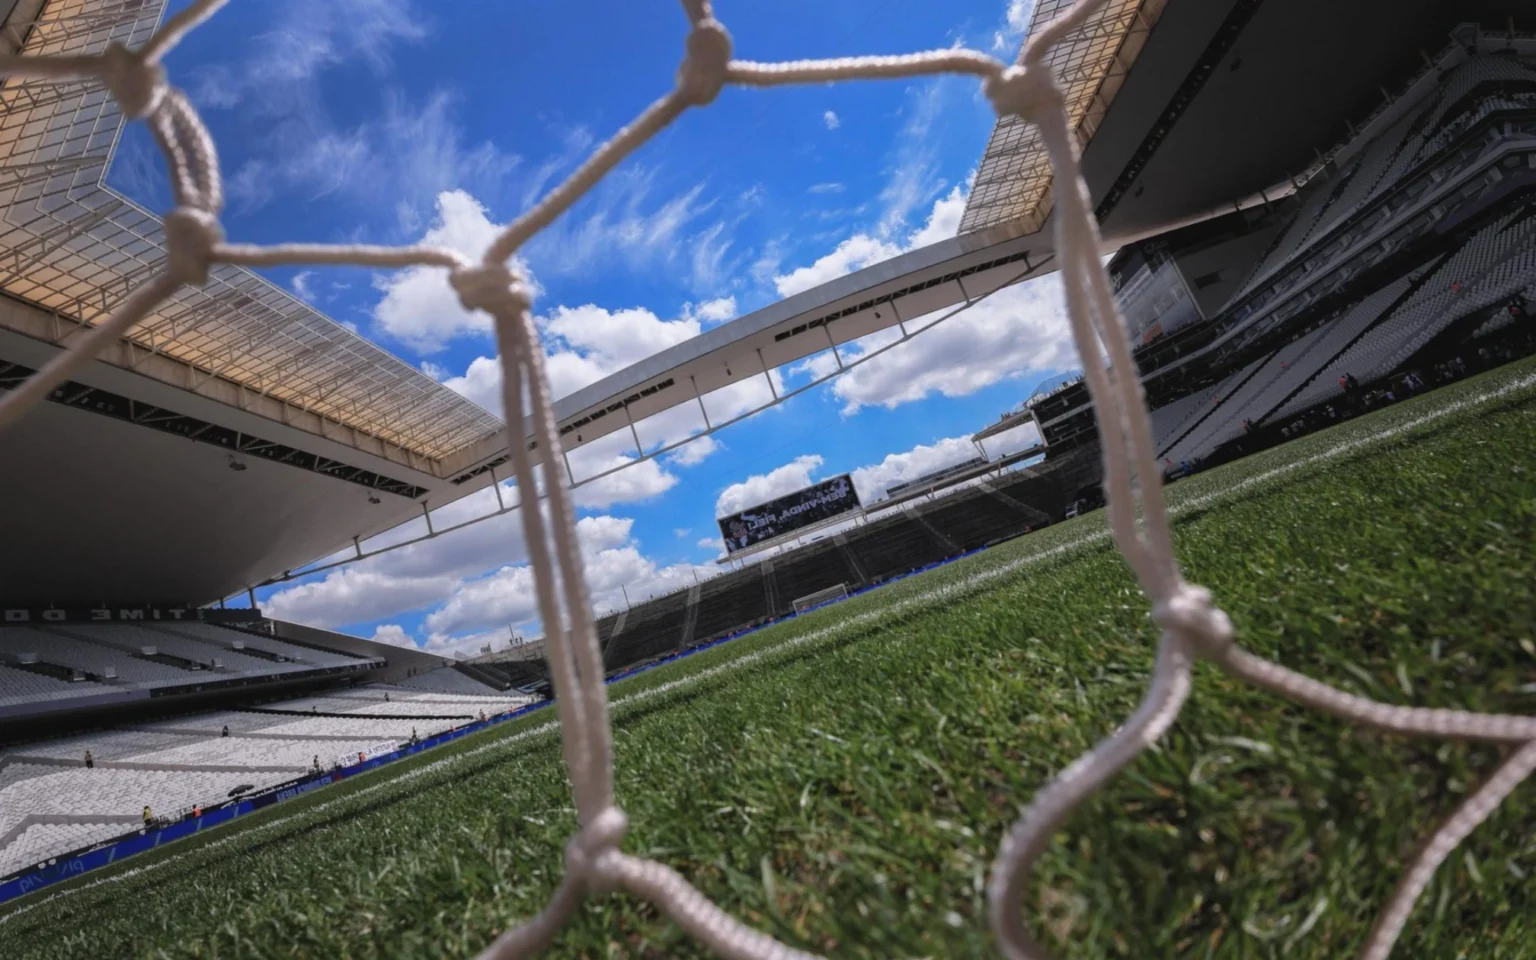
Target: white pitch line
{"x": 926, "y": 598}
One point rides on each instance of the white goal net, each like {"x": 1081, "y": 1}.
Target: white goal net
{"x": 820, "y": 597}
{"x": 1193, "y": 628}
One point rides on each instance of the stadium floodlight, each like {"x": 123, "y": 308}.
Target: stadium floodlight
{"x": 1193, "y": 627}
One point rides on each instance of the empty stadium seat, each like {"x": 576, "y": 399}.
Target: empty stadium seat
{"x": 171, "y": 765}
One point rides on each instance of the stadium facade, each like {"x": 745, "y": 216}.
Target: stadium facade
{"x": 1279, "y": 228}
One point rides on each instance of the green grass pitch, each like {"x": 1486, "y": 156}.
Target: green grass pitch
{"x": 841, "y": 781}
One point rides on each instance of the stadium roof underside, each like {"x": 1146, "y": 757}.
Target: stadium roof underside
{"x": 73, "y": 245}
{"x": 1013, "y": 182}
{"x": 1011, "y": 421}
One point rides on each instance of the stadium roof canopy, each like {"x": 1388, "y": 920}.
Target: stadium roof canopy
{"x": 1013, "y": 182}
{"x": 73, "y": 245}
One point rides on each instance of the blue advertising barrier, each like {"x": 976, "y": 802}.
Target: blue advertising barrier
{"x": 73, "y": 864}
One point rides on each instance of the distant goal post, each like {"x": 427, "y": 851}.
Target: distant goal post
{"x": 838, "y": 592}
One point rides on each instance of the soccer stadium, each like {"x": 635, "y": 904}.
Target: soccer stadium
{"x": 984, "y": 710}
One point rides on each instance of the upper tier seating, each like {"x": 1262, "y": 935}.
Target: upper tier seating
{"x": 22, "y": 686}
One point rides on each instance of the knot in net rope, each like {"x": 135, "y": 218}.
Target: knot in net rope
{"x": 190, "y": 238}
{"x": 1193, "y": 626}
{"x": 491, "y": 287}
{"x": 137, "y": 83}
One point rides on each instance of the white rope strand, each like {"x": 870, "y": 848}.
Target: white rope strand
{"x": 323, "y": 254}
{"x": 1462, "y": 822}
{"x": 752, "y": 74}
{"x": 1031, "y": 835}
{"x": 581, "y": 632}
{"x": 1192, "y": 626}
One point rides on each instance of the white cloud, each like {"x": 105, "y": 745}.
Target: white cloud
{"x": 681, "y": 533}
{"x": 857, "y": 252}
{"x": 864, "y": 250}
{"x": 912, "y": 176}
{"x": 831, "y": 120}
{"x": 923, "y": 459}
{"x": 480, "y": 383}
{"x": 710, "y": 247}
{"x": 696, "y": 451}
{"x": 301, "y": 285}
{"x": 394, "y": 635}
{"x": 308, "y": 39}
{"x": 629, "y": 483}
{"x": 589, "y": 342}
{"x": 622, "y": 223}
{"x": 417, "y": 153}
{"x": 943, "y": 221}
{"x": 820, "y": 188}
{"x": 1016, "y": 331}
{"x": 274, "y": 82}
{"x": 1015, "y": 24}
{"x": 715, "y": 311}
{"x": 445, "y": 576}
{"x": 353, "y": 594}
{"x": 712, "y": 543}
{"x": 613, "y": 565}
{"x": 419, "y": 308}
{"x": 583, "y": 345}
{"x": 766, "y": 486}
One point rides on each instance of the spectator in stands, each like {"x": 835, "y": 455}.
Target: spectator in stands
{"x": 361, "y": 756}
{"x": 90, "y": 762}
{"x": 413, "y": 734}
{"x": 149, "y": 818}
{"x": 317, "y": 763}
{"x": 482, "y": 716}
{"x": 386, "y": 696}
{"x": 225, "y": 731}
{"x": 197, "y": 811}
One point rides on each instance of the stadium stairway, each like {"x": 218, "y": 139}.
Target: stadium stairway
{"x": 951, "y": 548}
{"x": 975, "y": 518}
{"x": 692, "y": 619}
{"x": 727, "y": 604}
{"x": 1033, "y": 516}
{"x": 1185, "y": 443}
{"x": 893, "y": 546}
{"x": 859, "y": 577}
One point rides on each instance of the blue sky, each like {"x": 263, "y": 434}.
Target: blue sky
{"x": 390, "y": 121}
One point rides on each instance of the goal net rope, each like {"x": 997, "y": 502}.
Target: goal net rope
{"x": 1193, "y": 628}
